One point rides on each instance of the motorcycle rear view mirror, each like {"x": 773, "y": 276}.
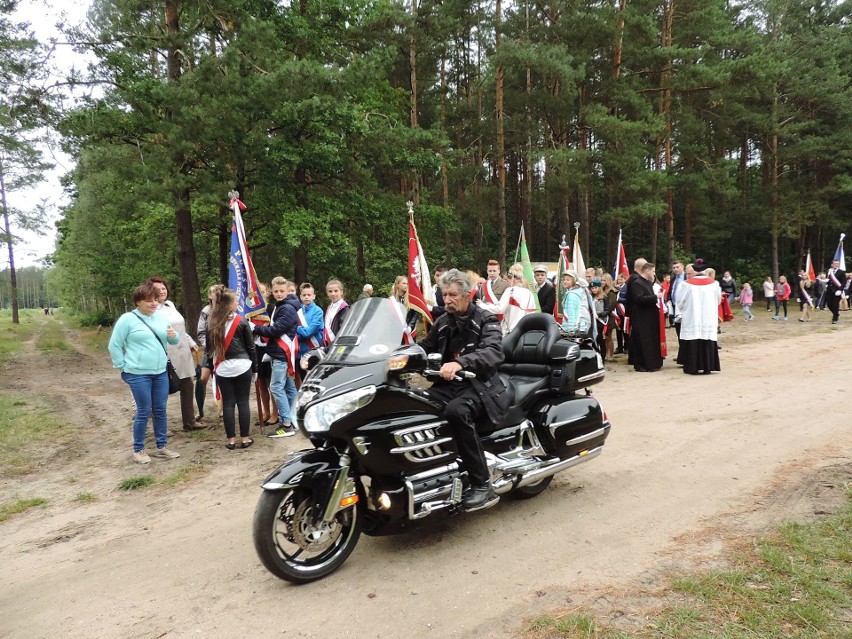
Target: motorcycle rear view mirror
{"x": 410, "y": 358}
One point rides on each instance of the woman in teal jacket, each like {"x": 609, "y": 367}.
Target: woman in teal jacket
{"x": 138, "y": 350}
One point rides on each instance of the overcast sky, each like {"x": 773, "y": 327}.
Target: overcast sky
{"x": 43, "y": 15}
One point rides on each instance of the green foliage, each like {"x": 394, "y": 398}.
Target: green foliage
{"x": 305, "y": 109}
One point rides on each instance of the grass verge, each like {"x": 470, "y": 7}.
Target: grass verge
{"x": 794, "y": 583}
{"x": 13, "y": 336}
{"x": 24, "y": 429}
{"x": 51, "y": 337}
{"x": 7, "y": 510}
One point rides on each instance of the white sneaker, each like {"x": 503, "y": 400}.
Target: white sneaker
{"x": 141, "y": 457}
{"x": 165, "y": 453}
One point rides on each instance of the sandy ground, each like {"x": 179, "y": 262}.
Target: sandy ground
{"x": 692, "y": 465}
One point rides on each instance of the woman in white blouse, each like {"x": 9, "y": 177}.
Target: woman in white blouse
{"x": 515, "y": 302}
{"x": 180, "y": 354}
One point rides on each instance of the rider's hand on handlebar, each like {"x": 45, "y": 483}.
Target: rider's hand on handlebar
{"x": 448, "y": 371}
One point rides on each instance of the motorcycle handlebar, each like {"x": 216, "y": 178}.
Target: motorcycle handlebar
{"x": 461, "y": 375}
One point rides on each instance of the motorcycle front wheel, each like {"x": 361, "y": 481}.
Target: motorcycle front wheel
{"x": 295, "y": 548}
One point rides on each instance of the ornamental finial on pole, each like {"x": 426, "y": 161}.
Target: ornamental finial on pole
{"x": 563, "y": 244}
{"x": 233, "y": 195}
{"x": 410, "y": 207}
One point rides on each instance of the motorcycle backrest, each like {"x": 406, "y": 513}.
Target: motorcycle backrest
{"x": 532, "y": 340}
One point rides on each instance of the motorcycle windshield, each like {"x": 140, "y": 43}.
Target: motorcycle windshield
{"x": 374, "y": 327}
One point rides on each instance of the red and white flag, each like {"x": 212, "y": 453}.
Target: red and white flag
{"x": 421, "y": 294}
{"x": 809, "y": 268}
{"x": 620, "y": 260}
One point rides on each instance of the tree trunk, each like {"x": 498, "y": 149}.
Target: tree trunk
{"x": 223, "y": 235}
{"x": 775, "y": 230}
{"x": 412, "y": 62}
{"x": 183, "y": 214}
{"x": 187, "y": 261}
{"x": 666, "y": 109}
{"x": 501, "y": 144}
{"x": 13, "y": 278}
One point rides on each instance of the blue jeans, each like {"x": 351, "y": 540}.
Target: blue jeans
{"x": 150, "y": 392}
{"x": 283, "y": 389}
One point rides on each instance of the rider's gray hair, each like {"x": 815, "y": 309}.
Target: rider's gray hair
{"x": 455, "y": 276}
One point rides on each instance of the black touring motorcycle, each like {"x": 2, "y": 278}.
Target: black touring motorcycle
{"x": 383, "y": 459}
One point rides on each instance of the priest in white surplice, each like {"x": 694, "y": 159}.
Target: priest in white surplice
{"x": 698, "y": 307}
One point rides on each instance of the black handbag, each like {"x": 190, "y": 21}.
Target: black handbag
{"x": 174, "y": 380}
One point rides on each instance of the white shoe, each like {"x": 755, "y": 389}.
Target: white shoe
{"x": 165, "y": 453}
{"x": 141, "y": 457}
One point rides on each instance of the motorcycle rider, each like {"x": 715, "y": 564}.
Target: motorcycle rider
{"x": 469, "y": 338}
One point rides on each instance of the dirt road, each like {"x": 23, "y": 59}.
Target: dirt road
{"x": 692, "y": 463}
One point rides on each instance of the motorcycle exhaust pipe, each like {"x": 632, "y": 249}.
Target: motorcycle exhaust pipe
{"x": 537, "y": 475}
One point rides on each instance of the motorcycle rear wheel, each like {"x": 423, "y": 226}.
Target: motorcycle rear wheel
{"x": 291, "y": 547}
{"x": 527, "y": 492}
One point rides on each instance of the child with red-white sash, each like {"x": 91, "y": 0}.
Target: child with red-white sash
{"x": 231, "y": 355}
{"x": 335, "y": 312}
{"x": 309, "y": 332}
{"x": 281, "y": 347}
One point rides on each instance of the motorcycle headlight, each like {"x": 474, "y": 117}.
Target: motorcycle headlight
{"x": 319, "y": 417}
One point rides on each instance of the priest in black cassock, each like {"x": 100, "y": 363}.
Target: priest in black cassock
{"x": 644, "y": 352}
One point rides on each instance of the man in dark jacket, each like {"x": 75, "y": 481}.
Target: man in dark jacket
{"x": 469, "y": 338}
{"x": 282, "y": 333}
{"x": 834, "y": 289}
{"x": 546, "y": 291}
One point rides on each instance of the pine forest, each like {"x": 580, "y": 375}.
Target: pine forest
{"x": 698, "y": 128}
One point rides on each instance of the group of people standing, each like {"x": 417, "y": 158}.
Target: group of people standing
{"x": 831, "y": 290}
{"x": 235, "y": 351}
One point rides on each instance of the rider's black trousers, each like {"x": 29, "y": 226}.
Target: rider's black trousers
{"x": 462, "y": 409}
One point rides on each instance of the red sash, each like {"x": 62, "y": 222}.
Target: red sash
{"x": 834, "y": 279}
{"x": 514, "y": 302}
{"x": 407, "y": 335}
{"x": 229, "y": 337}
{"x": 664, "y": 351}
{"x": 490, "y": 297}
{"x": 289, "y": 347}
{"x": 328, "y": 334}
{"x": 804, "y": 294}
{"x": 303, "y": 322}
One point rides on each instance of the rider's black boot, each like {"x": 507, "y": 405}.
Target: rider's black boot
{"x": 479, "y": 497}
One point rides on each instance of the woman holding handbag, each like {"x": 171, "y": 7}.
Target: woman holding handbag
{"x": 137, "y": 347}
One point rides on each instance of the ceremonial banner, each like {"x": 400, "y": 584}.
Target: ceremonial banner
{"x": 241, "y": 276}
{"x": 577, "y": 262}
{"x": 839, "y": 255}
{"x": 562, "y": 265}
{"x": 528, "y": 270}
{"x": 809, "y": 268}
{"x": 421, "y": 293}
{"x": 620, "y": 261}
